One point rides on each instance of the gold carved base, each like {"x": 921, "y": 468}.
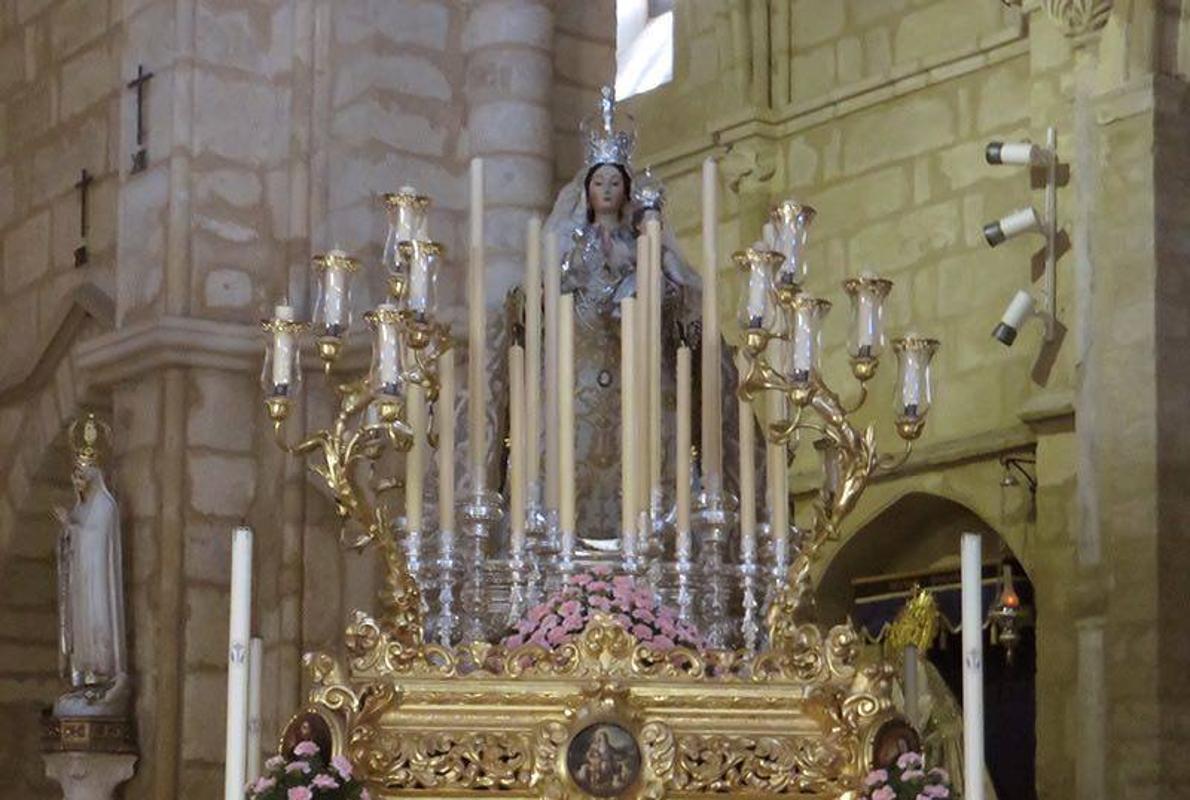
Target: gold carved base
{"x": 87, "y": 734}
{"x": 603, "y": 716}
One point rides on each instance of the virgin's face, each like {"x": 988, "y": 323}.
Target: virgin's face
{"x": 606, "y": 192}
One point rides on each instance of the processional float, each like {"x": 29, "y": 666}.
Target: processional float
{"x": 725, "y": 683}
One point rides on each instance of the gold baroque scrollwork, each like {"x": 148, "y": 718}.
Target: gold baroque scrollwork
{"x": 450, "y": 760}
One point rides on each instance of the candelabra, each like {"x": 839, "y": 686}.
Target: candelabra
{"x": 375, "y": 413}
{"x": 782, "y": 326}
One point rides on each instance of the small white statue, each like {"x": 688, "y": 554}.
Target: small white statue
{"x": 92, "y": 650}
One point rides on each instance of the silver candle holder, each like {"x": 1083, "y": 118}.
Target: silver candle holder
{"x": 481, "y": 514}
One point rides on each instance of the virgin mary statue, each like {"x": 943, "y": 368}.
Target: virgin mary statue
{"x": 91, "y": 588}
{"x": 597, "y": 218}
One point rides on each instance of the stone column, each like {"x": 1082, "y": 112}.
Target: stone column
{"x": 89, "y": 776}
{"x": 509, "y": 83}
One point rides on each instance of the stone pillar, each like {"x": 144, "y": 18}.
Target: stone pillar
{"x": 89, "y": 776}
{"x": 509, "y": 83}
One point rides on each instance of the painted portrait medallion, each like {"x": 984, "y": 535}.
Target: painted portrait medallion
{"x": 603, "y": 759}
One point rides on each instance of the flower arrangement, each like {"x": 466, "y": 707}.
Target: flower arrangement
{"x": 907, "y": 779}
{"x": 634, "y": 607}
{"x": 307, "y": 776}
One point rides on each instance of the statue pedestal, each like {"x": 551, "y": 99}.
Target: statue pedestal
{"x": 89, "y": 776}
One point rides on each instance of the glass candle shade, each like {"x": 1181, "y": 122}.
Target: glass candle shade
{"x": 282, "y": 372}
{"x": 807, "y": 315}
{"x": 867, "y": 338}
{"x": 914, "y": 392}
{"x": 758, "y": 308}
{"x": 421, "y": 260}
{"x": 385, "y": 373}
{"x": 791, "y": 222}
{"x": 831, "y": 457}
{"x": 332, "y": 301}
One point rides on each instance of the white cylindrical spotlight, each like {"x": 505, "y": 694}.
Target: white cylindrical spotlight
{"x": 1020, "y": 153}
{"x": 1018, "y": 311}
{"x": 1016, "y": 223}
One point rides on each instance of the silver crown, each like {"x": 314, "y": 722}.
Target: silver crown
{"x": 648, "y": 192}
{"x": 605, "y": 144}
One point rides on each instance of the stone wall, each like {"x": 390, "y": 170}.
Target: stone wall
{"x": 876, "y": 114}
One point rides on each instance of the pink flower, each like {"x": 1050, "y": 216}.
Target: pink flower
{"x": 582, "y": 579}
{"x": 514, "y": 641}
{"x": 907, "y": 760}
{"x": 912, "y": 774}
{"x": 305, "y": 749}
{"x": 940, "y": 774}
{"x": 645, "y": 615}
{"x": 936, "y": 790}
{"x": 643, "y": 597}
{"x": 622, "y": 582}
{"x": 556, "y": 636}
{"x": 642, "y": 632}
{"x": 602, "y": 569}
{"x": 572, "y": 623}
{"x": 663, "y": 642}
{"x": 538, "y": 638}
{"x": 569, "y": 608}
{"x": 597, "y": 586}
{"x": 263, "y": 784}
{"x": 299, "y": 793}
{"x": 623, "y": 620}
{"x": 276, "y": 762}
{"x": 884, "y": 793}
{"x": 602, "y": 603}
{"x": 551, "y": 621}
{"x": 667, "y": 628}
{"x": 537, "y": 612}
{"x": 342, "y": 766}
{"x": 324, "y": 782}
{"x": 298, "y": 766}
{"x": 876, "y": 776}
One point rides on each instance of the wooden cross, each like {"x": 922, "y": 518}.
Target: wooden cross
{"x": 138, "y": 84}
{"x": 84, "y": 183}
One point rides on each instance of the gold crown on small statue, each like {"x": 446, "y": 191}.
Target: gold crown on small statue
{"x": 605, "y": 143}
{"x": 89, "y": 437}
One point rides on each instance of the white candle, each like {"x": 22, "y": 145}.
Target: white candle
{"x": 627, "y": 426}
{"x": 682, "y": 461}
{"x": 283, "y": 343}
{"x": 255, "y": 664}
{"x": 533, "y": 353}
{"x": 388, "y": 342}
{"x": 409, "y": 221}
{"x": 476, "y": 315}
{"x": 553, "y": 292}
{"x": 446, "y": 441}
{"x": 972, "y": 622}
{"x": 656, "y": 283}
{"x": 756, "y": 290}
{"x": 909, "y": 659}
{"x": 747, "y": 473}
{"x": 235, "y": 763}
{"x": 334, "y": 291}
{"x": 419, "y": 281}
{"x": 640, "y": 369}
{"x": 712, "y": 410}
{"x": 415, "y": 459}
{"x": 566, "y": 505}
{"x": 776, "y": 463}
{"x": 516, "y": 449}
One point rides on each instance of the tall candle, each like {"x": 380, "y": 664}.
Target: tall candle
{"x": 516, "y": 449}
{"x": 388, "y": 344}
{"x": 533, "y": 353}
{"x": 628, "y": 441}
{"x": 712, "y": 410}
{"x": 747, "y": 474}
{"x": 972, "y": 622}
{"x": 283, "y": 344}
{"x": 476, "y": 315}
{"x": 553, "y": 292}
{"x": 912, "y": 692}
{"x": 682, "y": 457}
{"x": 656, "y": 282}
{"x": 445, "y": 417}
{"x": 640, "y": 353}
{"x": 566, "y": 507}
{"x": 776, "y": 465}
{"x": 415, "y": 459}
{"x": 255, "y": 665}
{"x": 235, "y": 763}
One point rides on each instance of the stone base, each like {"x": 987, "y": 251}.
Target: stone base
{"x": 89, "y": 776}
